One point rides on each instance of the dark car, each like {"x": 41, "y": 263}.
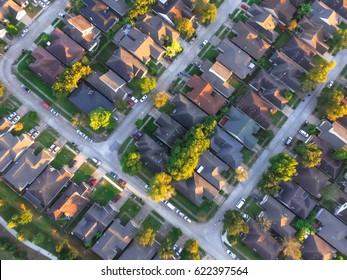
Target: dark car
{"x": 118, "y": 197}
{"x": 113, "y": 175}
{"x": 93, "y": 182}
{"x": 72, "y": 163}
{"x": 136, "y": 137}
{"x": 122, "y": 182}
{"x": 9, "y": 36}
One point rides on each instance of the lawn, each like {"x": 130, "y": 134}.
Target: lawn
{"x": 7, "y": 106}
{"x": 276, "y": 118}
{"x": 29, "y": 121}
{"x": 282, "y": 40}
{"x": 32, "y": 11}
{"x": 46, "y": 139}
{"x": 83, "y": 173}
{"x": 211, "y": 54}
{"x": 240, "y": 17}
{"x": 195, "y": 71}
{"x": 247, "y": 155}
{"x": 123, "y": 145}
{"x": 203, "y": 50}
{"x": 150, "y": 127}
{"x": 64, "y": 157}
{"x": 235, "y": 83}
{"x": 155, "y": 69}
{"x": 128, "y": 211}
{"x": 104, "y": 192}
{"x": 242, "y": 91}
{"x": 151, "y": 222}
{"x": 233, "y": 14}
{"x": 106, "y": 53}
{"x": 264, "y": 137}
{"x": 251, "y": 208}
{"x": 168, "y": 108}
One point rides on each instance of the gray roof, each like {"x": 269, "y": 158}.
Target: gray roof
{"x": 312, "y": 180}
{"x": 64, "y": 48}
{"x": 233, "y": 58}
{"x": 27, "y": 168}
{"x": 136, "y": 252}
{"x": 324, "y": 12}
{"x": 269, "y": 89}
{"x": 226, "y": 148}
{"x": 333, "y": 133}
{"x": 286, "y": 71}
{"x": 88, "y": 99}
{"x": 126, "y": 65}
{"x": 99, "y": 14}
{"x": 95, "y": 220}
{"x": 296, "y": 199}
{"x": 315, "y": 248}
{"x": 186, "y": 113}
{"x": 173, "y": 9}
{"x": 152, "y": 154}
{"x": 11, "y": 147}
{"x": 249, "y": 40}
{"x": 168, "y": 130}
{"x": 241, "y": 127}
{"x": 196, "y": 189}
{"x": 332, "y": 230}
{"x": 114, "y": 240}
{"x": 119, "y": 6}
{"x": 266, "y": 246}
{"x": 280, "y": 216}
{"x": 263, "y": 22}
{"x": 47, "y": 185}
{"x": 282, "y": 9}
{"x": 211, "y": 168}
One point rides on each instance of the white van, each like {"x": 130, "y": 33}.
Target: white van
{"x": 240, "y": 203}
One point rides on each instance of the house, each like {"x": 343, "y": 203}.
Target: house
{"x": 3, "y": 31}
{"x": 118, "y": 6}
{"x": 64, "y": 48}
{"x": 283, "y": 10}
{"x": 256, "y": 108}
{"x": 159, "y": 30}
{"x": 312, "y": 180}
{"x": 340, "y": 7}
{"x": 262, "y": 22}
{"x": 203, "y": 95}
{"x": 70, "y": 204}
{"x": 314, "y": 35}
{"x": 96, "y": 219}
{"x": 196, "y": 189}
{"x": 234, "y": 59}
{"x": 168, "y": 130}
{"x": 5, "y": 126}
{"x": 83, "y": 32}
{"x": 226, "y": 148}
{"x": 315, "y": 248}
{"x": 11, "y": 8}
{"x": 114, "y": 240}
{"x": 333, "y": 133}
{"x": 249, "y": 40}
{"x": 280, "y": 216}
{"x": 266, "y": 246}
{"x": 109, "y": 85}
{"x": 136, "y": 252}
{"x": 299, "y": 52}
{"x": 296, "y": 199}
{"x": 286, "y": 71}
{"x": 46, "y": 186}
{"x": 139, "y": 44}
{"x": 46, "y": 66}
{"x": 332, "y": 230}
{"x": 217, "y": 75}
{"x": 340, "y": 202}
{"x": 126, "y": 65}
{"x": 27, "y": 168}
{"x": 269, "y": 89}
{"x": 325, "y": 13}
{"x": 240, "y": 126}
{"x": 170, "y": 10}
{"x": 87, "y": 99}
{"x": 211, "y": 168}
{"x": 99, "y": 14}
{"x": 328, "y": 165}
{"x": 186, "y": 113}
{"x": 11, "y": 147}
{"x": 21, "y": 3}
{"x": 152, "y": 154}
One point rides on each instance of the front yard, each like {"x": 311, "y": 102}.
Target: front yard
{"x": 104, "y": 192}
{"x": 128, "y": 211}
{"x": 83, "y": 173}
{"x": 64, "y": 157}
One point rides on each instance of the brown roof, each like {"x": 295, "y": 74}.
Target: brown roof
{"x": 315, "y": 248}
{"x": 80, "y": 23}
{"x": 221, "y": 71}
{"x": 204, "y": 96}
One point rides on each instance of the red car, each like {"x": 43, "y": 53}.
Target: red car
{"x": 45, "y": 105}
{"x": 131, "y": 103}
{"x": 244, "y": 6}
{"x": 93, "y": 182}
{"x": 122, "y": 182}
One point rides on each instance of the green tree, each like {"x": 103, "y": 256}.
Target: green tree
{"x": 283, "y": 166}
{"x": 160, "y": 99}
{"x": 330, "y": 104}
{"x": 339, "y": 39}
{"x": 264, "y": 223}
{"x": 288, "y": 95}
{"x": 191, "y": 250}
{"x": 147, "y": 84}
{"x": 66, "y": 251}
{"x": 308, "y": 85}
{"x": 146, "y": 237}
{"x": 291, "y": 247}
{"x": 166, "y": 250}
{"x": 205, "y": 11}
{"x": 161, "y": 188}
{"x": 13, "y": 30}
{"x": 340, "y": 154}
{"x": 38, "y": 238}
{"x": 173, "y": 49}
{"x": 310, "y": 154}
{"x": 302, "y": 10}
{"x": 234, "y": 224}
{"x": 131, "y": 163}
{"x": 100, "y": 117}
{"x": 184, "y": 26}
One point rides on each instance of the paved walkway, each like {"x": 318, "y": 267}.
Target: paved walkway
{"x": 28, "y": 243}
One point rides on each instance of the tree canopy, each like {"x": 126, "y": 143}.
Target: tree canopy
{"x": 191, "y": 250}
{"x": 173, "y": 49}
{"x": 330, "y": 104}
{"x": 291, "y": 248}
{"x": 2, "y": 89}
{"x": 340, "y": 39}
{"x": 186, "y": 151}
{"x": 166, "y": 250}
{"x": 139, "y": 7}
{"x": 131, "y": 163}
{"x": 241, "y": 174}
{"x": 293, "y": 24}
{"x": 234, "y": 224}
{"x": 24, "y": 217}
{"x": 146, "y": 237}
{"x": 160, "y": 99}
{"x": 340, "y": 154}
{"x": 184, "y": 26}
{"x": 310, "y": 154}
{"x": 302, "y": 10}
{"x": 100, "y": 117}
{"x": 205, "y": 11}
{"x": 160, "y": 187}
{"x": 264, "y": 223}
{"x": 147, "y": 84}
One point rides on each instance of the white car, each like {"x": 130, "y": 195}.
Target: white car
{"x": 133, "y": 98}
{"x": 15, "y": 119}
{"x": 304, "y": 133}
{"x": 96, "y": 161}
{"x": 143, "y": 98}
{"x": 61, "y": 14}
{"x": 240, "y": 203}
{"x": 330, "y": 84}
{"x": 203, "y": 43}
{"x": 11, "y": 116}
{"x": 35, "y": 134}
{"x": 231, "y": 254}
{"x": 177, "y": 249}
{"x": 50, "y": 149}
{"x": 43, "y": 5}
{"x": 46, "y": 2}
{"x": 54, "y": 112}
{"x": 55, "y": 150}
{"x": 187, "y": 219}
{"x": 146, "y": 186}
{"x": 24, "y": 32}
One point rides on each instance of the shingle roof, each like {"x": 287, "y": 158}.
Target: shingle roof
{"x": 323, "y": 13}
{"x": 174, "y": 9}
{"x": 136, "y": 252}
{"x": 168, "y": 130}
{"x": 119, "y": 6}
{"x": 315, "y": 248}
{"x": 282, "y": 9}
{"x": 333, "y": 133}
{"x": 5, "y": 126}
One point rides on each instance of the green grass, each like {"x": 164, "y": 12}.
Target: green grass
{"x": 123, "y": 145}
{"x": 264, "y": 137}
{"x": 220, "y": 30}
{"x": 55, "y": 21}
{"x": 247, "y": 252}
{"x": 211, "y": 54}
{"x": 235, "y": 83}
{"x": 156, "y": 214}
{"x": 247, "y": 155}
{"x": 7, "y": 106}
{"x": 251, "y": 208}
{"x": 46, "y": 139}
{"x": 282, "y": 40}
{"x": 226, "y": 33}
{"x": 64, "y": 157}
{"x": 104, "y": 192}
{"x": 238, "y": 94}
{"x": 155, "y": 69}
{"x": 83, "y": 173}
{"x": 106, "y": 53}
{"x": 240, "y": 17}
{"x": 317, "y": 60}
{"x": 168, "y": 108}
{"x": 203, "y": 50}
{"x": 251, "y": 2}
{"x": 195, "y": 71}
{"x": 151, "y": 222}
{"x": 150, "y": 127}
{"x": 128, "y": 211}
{"x": 276, "y": 118}
{"x": 343, "y": 25}
{"x": 29, "y": 120}
{"x": 233, "y": 14}
{"x": 32, "y": 11}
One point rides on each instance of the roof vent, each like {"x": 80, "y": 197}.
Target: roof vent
{"x": 200, "y": 169}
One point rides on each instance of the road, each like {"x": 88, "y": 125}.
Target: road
{"x": 208, "y": 234}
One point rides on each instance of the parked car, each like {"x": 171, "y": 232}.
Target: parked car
{"x": 43, "y": 5}
{"x": 146, "y": 186}
{"x": 186, "y": 74}
{"x": 31, "y": 131}
{"x": 203, "y": 44}
{"x": 45, "y": 105}
{"x": 240, "y": 203}
{"x": 15, "y": 119}
{"x": 92, "y": 182}
{"x": 113, "y": 175}
{"x": 245, "y": 216}
{"x": 255, "y": 197}
{"x": 330, "y": 84}
{"x": 138, "y": 133}
{"x": 72, "y": 163}
{"x": 47, "y": 2}
{"x": 131, "y": 103}
{"x": 118, "y": 197}
{"x": 197, "y": 63}
{"x": 35, "y": 134}
{"x": 24, "y": 32}
{"x": 136, "y": 137}
{"x": 289, "y": 140}
{"x": 50, "y": 149}
{"x": 244, "y": 6}
{"x": 122, "y": 182}
{"x": 187, "y": 219}
{"x": 25, "y": 88}
{"x": 11, "y": 116}
{"x": 96, "y": 161}
{"x": 62, "y": 14}
{"x": 231, "y": 254}
{"x": 56, "y": 149}
{"x": 9, "y": 36}
{"x": 143, "y": 98}
{"x": 54, "y": 112}
{"x": 178, "y": 250}
{"x": 80, "y": 133}
{"x": 133, "y": 98}
{"x": 304, "y": 133}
